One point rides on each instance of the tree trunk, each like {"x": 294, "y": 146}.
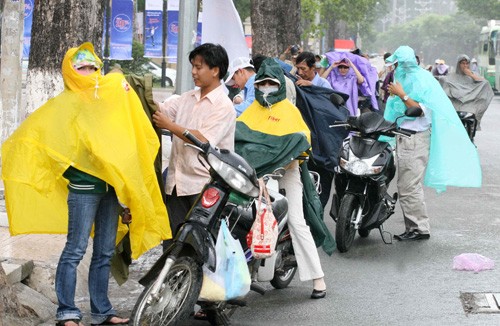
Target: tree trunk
{"x": 57, "y": 26}
{"x": 276, "y": 25}
{"x": 11, "y": 311}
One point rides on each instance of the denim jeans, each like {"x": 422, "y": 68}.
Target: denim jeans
{"x": 84, "y": 211}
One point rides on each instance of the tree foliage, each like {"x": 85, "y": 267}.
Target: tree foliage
{"x": 355, "y": 16}
{"x": 433, "y": 36}
{"x": 487, "y": 9}
{"x": 243, "y": 7}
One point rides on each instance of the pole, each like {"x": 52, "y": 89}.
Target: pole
{"x": 106, "y": 37}
{"x": 10, "y": 73}
{"x": 163, "y": 46}
{"x": 188, "y": 13}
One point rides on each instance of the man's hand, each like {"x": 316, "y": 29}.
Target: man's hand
{"x": 303, "y": 82}
{"x": 161, "y": 120}
{"x": 396, "y": 89}
{"x": 126, "y": 216}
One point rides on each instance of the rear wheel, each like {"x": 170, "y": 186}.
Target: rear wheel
{"x": 345, "y": 231}
{"x": 282, "y": 280}
{"x": 176, "y": 298}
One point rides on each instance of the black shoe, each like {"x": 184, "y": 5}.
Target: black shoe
{"x": 401, "y": 236}
{"x": 318, "y": 294}
{"x": 413, "y": 235}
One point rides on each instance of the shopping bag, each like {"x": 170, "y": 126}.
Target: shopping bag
{"x": 263, "y": 235}
{"x": 231, "y": 278}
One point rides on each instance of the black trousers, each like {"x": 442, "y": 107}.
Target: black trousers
{"x": 177, "y": 208}
{"x": 326, "y": 179}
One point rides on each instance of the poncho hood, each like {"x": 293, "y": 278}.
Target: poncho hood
{"x": 461, "y": 57}
{"x": 270, "y": 69}
{"x": 348, "y": 84}
{"x": 97, "y": 125}
{"x": 73, "y": 80}
{"x": 453, "y": 160}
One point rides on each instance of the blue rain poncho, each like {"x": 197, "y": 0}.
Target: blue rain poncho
{"x": 453, "y": 159}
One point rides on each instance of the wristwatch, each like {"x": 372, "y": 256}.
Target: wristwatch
{"x": 405, "y": 98}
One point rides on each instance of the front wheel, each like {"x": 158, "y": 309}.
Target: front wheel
{"x": 176, "y": 299}
{"x": 345, "y": 232}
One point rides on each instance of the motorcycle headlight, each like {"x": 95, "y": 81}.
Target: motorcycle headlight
{"x": 233, "y": 177}
{"x": 359, "y": 167}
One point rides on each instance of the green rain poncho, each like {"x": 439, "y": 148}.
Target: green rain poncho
{"x": 453, "y": 159}
{"x": 271, "y": 133}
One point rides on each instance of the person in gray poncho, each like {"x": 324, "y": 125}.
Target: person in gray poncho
{"x": 466, "y": 90}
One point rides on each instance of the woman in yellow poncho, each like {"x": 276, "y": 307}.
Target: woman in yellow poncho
{"x": 95, "y": 135}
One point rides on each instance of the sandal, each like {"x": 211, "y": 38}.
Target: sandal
{"x": 63, "y": 322}
{"x": 108, "y": 321}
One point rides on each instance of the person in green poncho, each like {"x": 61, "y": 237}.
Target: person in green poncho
{"x": 270, "y": 134}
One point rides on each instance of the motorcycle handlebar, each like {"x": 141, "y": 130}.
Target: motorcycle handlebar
{"x": 192, "y": 138}
{"x": 339, "y": 124}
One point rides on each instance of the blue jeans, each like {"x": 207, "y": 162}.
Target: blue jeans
{"x": 84, "y": 211}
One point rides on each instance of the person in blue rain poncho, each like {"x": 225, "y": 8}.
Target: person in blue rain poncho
{"x": 443, "y": 157}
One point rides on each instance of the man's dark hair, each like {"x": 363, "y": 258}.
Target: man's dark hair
{"x": 307, "y": 57}
{"x": 214, "y": 55}
{"x": 387, "y": 55}
{"x": 257, "y": 61}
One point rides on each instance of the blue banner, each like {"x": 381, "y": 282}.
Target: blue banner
{"x": 121, "y": 31}
{"x": 28, "y": 21}
{"x": 172, "y": 35}
{"x": 153, "y": 31}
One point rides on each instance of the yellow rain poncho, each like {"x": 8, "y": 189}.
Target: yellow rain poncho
{"x": 97, "y": 125}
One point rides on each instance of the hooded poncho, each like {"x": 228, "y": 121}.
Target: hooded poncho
{"x": 453, "y": 159}
{"x": 97, "y": 125}
{"x": 271, "y": 134}
{"x": 348, "y": 84}
{"x": 465, "y": 93}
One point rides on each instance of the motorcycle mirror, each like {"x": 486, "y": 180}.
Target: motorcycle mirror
{"x": 414, "y": 111}
{"x": 336, "y": 99}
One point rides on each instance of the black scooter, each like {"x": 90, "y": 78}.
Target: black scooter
{"x": 365, "y": 169}
{"x": 173, "y": 284}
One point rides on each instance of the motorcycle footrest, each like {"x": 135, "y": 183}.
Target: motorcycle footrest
{"x": 257, "y": 288}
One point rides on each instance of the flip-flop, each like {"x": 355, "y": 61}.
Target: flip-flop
{"x": 63, "y": 322}
{"x": 108, "y": 321}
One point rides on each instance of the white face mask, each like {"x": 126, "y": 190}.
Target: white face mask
{"x": 268, "y": 89}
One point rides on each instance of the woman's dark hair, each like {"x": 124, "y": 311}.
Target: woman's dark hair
{"x": 214, "y": 55}
{"x": 257, "y": 61}
{"x": 307, "y": 57}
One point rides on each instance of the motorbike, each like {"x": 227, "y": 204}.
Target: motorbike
{"x": 469, "y": 121}
{"x": 173, "y": 284}
{"x": 366, "y": 167}
{"x": 280, "y": 268}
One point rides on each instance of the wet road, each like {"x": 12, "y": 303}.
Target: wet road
{"x": 399, "y": 283}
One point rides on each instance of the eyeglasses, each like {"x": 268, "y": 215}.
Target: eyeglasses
{"x": 343, "y": 67}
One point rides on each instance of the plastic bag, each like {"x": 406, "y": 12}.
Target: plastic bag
{"x": 263, "y": 235}
{"x": 231, "y": 278}
{"x": 472, "y": 262}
